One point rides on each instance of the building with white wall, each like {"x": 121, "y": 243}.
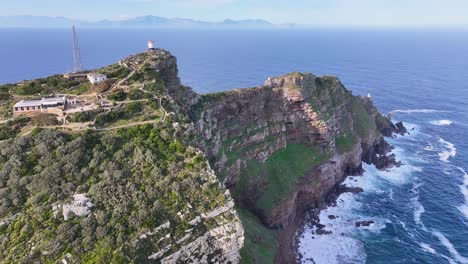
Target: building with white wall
{"x": 96, "y": 78}
{"x": 45, "y": 105}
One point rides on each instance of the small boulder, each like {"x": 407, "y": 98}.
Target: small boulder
{"x": 364, "y": 223}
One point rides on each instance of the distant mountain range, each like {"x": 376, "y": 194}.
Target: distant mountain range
{"x": 137, "y": 22}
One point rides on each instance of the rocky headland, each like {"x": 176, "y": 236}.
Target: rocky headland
{"x": 275, "y": 151}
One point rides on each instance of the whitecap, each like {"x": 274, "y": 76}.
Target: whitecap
{"x": 418, "y": 207}
{"x": 464, "y": 190}
{"x": 427, "y": 248}
{"x": 397, "y": 175}
{"x": 453, "y": 251}
{"x": 449, "y": 152}
{"x": 340, "y": 246}
{"x": 331, "y": 249}
{"x": 409, "y": 111}
{"x": 429, "y": 147}
{"x": 418, "y": 211}
{"x": 443, "y": 122}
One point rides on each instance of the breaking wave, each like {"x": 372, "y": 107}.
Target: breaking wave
{"x": 449, "y": 152}
{"x": 341, "y": 246}
{"x": 410, "y": 111}
{"x": 464, "y": 190}
{"x": 427, "y": 248}
{"x": 418, "y": 211}
{"x": 444, "y": 122}
{"x": 453, "y": 251}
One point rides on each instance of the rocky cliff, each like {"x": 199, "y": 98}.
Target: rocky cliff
{"x": 287, "y": 145}
{"x": 275, "y": 151}
{"x": 281, "y": 148}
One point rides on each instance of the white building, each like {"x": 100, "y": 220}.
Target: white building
{"x": 45, "y": 105}
{"x": 96, "y": 78}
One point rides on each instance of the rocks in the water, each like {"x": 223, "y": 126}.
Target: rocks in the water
{"x": 383, "y": 162}
{"x": 400, "y": 128}
{"x": 364, "y": 223}
{"x": 323, "y": 232}
{"x": 332, "y": 217}
{"x": 320, "y": 226}
{"x": 389, "y": 129}
{"x": 347, "y": 189}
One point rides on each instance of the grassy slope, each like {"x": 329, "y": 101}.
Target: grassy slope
{"x": 280, "y": 174}
{"x": 260, "y": 242}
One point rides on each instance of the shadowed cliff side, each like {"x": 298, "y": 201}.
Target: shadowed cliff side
{"x": 148, "y": 185}
{"x": 286, "y": 146}
{"x": 280, "y": 148}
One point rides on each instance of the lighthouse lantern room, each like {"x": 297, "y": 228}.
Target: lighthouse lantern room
{"x": 151, "y": 44}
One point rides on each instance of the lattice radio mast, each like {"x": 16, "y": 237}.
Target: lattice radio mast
{"x": 76, "y": 54}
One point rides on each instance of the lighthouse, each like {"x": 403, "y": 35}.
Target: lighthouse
{"x": 150, "y": 44}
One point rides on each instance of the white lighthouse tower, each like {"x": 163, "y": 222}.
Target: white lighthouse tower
{"x": 151, "y": 44}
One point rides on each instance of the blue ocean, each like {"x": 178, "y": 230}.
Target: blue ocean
{"x": 419, "y": 76}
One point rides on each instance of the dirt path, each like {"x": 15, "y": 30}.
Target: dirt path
{"x": 127, "y": 125}
{"x": 122, "y": 81}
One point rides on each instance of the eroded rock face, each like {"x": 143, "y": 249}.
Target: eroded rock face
{"x": 237, "y": 127}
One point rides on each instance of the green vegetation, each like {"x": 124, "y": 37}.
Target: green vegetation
{"x": 130, "y": 111}
{"x": 52, "y": 84}
{"x": 137, "y": 179}
{"x": 260, "y": 242}
{"x": 136, "y": 94}
{"x": 115, "y": 71}
{"x": 345, "y": 143}
{"x": 364, "y": 124}
{"x": 13, "y": 127}
{"x": 81, "y": 89}
{"x": 274, "y": 180}
{"x": 44, "y": 120}
{"x": 86, "y": 116}
{"x": 118, "y": 95}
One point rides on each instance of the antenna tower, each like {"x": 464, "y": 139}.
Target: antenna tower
{"x": 76, "y": 54}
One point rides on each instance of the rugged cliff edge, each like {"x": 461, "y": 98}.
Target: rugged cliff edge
{"x": 278, "y": 149}
{"x": 287, "y": 146}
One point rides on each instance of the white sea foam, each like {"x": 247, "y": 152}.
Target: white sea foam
{"x": 398, "y": 175}
{"x": 342, "y": 246}
{"x": 429, "y": 147}
{"x": 449, "y": 152}
{"x": 453, "y": 251}
{"x": 464, "y": 190}
{"x": 443, "y": 122}
{"x": 418, "y": 207}
{"x": 410, "y": 111}
{"x": 339, "y": 246}
{"x": 428, "y": 248}
{"x": 418, "y": 211}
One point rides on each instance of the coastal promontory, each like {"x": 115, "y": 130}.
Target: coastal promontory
{"x": 138, "y": 168}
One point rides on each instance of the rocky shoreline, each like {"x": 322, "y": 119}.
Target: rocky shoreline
{"x": 290, "y": 236}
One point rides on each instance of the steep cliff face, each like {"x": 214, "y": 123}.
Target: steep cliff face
{"x": 274, "y": 150}
{"x": 288, "y": 144}
{"x": 282, "y": 147}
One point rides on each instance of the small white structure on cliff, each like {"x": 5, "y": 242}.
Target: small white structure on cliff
{"x": 96, "y": 78}
{"x": 151, "y": 44}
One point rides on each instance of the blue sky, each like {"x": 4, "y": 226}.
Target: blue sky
{"x": 314, "y": 12}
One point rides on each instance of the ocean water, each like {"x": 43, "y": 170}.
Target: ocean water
{"x": 420, "y": 76}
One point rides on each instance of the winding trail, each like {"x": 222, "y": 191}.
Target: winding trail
{"x": 127, "y": 125}
{"x": 122, "y": 81}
